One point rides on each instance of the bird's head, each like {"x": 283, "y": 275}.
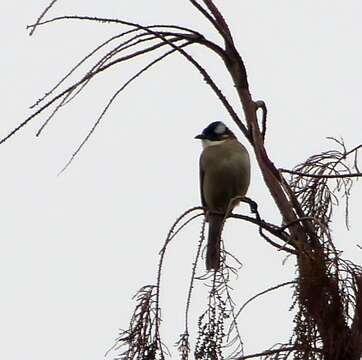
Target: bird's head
{"x": 215, "y": 134}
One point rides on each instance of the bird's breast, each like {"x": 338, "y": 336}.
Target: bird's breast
{"x": 226, "y": 175}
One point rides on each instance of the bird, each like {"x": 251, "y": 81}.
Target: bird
{"x": 224, "y": 175}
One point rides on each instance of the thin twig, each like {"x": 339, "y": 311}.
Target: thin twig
{"x": 263, "y": 293}
{"x": 85, "y": 140}
{"x": 75, "y": 67}
{"x": 268, "y": 352}
{"x": 112, "y": 21}
{"x": 221, "y": 24}
{"x": 98, "y": 67}
{"x": 162, "y": 256}
{"x": 339, "y": 176}
{"x": 41, "y": 16}
{"x": 207, "y": 15}
{"x": 193, "y": 272}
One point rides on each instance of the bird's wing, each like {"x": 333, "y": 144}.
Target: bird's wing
{"x": 202, "y": 173}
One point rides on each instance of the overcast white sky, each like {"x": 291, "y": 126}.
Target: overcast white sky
{"x": 75, "y": 248}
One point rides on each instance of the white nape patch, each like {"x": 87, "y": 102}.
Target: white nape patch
{"x": 206, "y": 143}
{"x": 220, "y": 129}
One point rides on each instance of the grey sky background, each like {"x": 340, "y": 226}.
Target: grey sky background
{"x": 76, "y": 248}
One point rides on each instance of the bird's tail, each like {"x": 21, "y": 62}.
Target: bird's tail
{"x": 216, "y": 223}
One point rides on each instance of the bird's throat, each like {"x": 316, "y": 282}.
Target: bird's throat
{"x": 206, "y": 143}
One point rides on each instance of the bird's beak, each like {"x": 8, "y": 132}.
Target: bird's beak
{"x": 200, "y": 136}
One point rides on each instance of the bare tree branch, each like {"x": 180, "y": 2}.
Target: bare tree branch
{"x": 203, "y": 72}
{"x": 267, "y": 352}
{"x": 316, "y": 176}
{"x": 88, "y": 56}
{"x": 101, "y": 66}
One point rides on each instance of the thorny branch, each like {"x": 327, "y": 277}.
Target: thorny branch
{"x": 316, "y": 176}
{"x": 144, "y": 69}
{"x": 266, "y": 354}
{"x": 192, "y": 37}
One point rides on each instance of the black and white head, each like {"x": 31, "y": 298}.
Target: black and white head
{"x": 215, "y": 134}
